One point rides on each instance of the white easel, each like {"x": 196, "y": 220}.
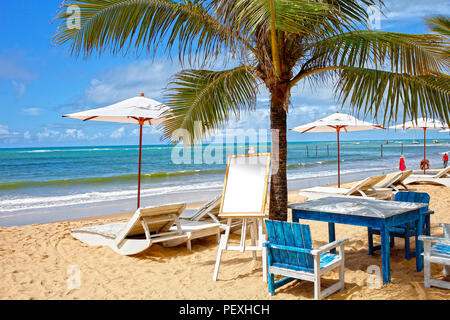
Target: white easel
{"x": 244, "y": 199}
{"x": 257, "y": 240}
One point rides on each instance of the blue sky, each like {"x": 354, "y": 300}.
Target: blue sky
{"x": 39, "y": 83}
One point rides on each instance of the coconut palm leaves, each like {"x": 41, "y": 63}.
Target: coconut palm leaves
{"x": 121, "y": 25}
{"x": 202, "y": 101}
{"x": 439, "y": 24}
{"x": 366, "y": 89}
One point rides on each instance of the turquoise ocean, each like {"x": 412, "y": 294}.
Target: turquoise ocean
{"x": 43, "y": 185}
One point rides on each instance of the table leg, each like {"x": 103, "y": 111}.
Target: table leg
{"x": 419, "y": 244}
{"x": 385, "y": 254}
{"x": 332, "y": 235}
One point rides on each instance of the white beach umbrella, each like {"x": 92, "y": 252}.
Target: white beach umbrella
{"x": 422, "y": 124}
{"x": 138, "y": 110}
{"x": 336, "y": 123}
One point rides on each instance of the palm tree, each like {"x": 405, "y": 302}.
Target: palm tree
{"x": 276, "y": 43}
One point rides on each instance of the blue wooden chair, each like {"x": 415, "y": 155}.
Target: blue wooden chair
{"x": 405, "y": 231}
{"x": 290, "y": 254}
{"x": 439, "y": 253}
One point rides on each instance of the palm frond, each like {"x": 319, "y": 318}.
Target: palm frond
{"x": 202, "y": 100}
{"x": 404, "y": 53}
{"x": 439, "y": 24}
{"x": 370, "y": 90}
{"x": 121, "y": 25}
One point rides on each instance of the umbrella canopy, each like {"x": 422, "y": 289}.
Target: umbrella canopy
{"x": 422, "y": 124}
{"x": 131, "y": 110}
{"x": 137, "y": 110}
{"x": 336, "y": 123}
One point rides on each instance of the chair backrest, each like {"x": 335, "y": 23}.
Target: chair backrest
{"x": 443, "y": 173}
{"x": 405, "y": 175}
{"x": 158, "y": 219}
{"x": 211, "y": 207}
{"x": 293, "y": 235}
{"x": 366, "y": 184}
{"x": 393, "y": 179}
{"x": 419, "y": 197}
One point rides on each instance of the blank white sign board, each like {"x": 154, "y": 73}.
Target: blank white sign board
{"x": 245, "y": 189}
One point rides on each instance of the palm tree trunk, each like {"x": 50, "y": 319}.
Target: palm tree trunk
{"x": 278, "y": 186}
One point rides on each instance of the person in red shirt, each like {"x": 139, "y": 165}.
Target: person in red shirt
{"x": 402, "y": 165}
{"x": 445, "y": 158}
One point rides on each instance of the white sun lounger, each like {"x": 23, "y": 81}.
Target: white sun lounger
{"x": 396, "y": 180}
{"x": 194, "y": 230}
{"x": 365, "y": 188}
{"x": 155, "y": 223}
{"x": 444, "y": 173}
{"x": 211, "y": 209}
{"x": 442, "y": 178}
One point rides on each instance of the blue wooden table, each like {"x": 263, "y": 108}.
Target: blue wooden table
{"x": 364, "y": 212}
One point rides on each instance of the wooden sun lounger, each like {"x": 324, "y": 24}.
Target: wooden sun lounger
{"x": 396, "y": 180}
{"x": 436, "y": 174}
{"x": 442, "y": 178}
{"x": 365, "y": 188}
{"x": 210, "y": 209}
{"x": 155, "y": 223}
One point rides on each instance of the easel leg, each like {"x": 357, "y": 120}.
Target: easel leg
{"x": 254, "y": 234}
{"x": 243, "y": 234}
{"x": 222, "y": 247}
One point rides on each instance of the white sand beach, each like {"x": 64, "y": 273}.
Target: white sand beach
{"x": 35, "y": 260}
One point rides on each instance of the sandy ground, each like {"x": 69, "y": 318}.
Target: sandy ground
{"x": 36, "y": 262}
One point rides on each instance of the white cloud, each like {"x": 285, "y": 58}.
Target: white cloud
{"x": 415, "y": 9}
{"x": 27, "y": 135}
{"x": 147, "y": 130}
{"x": 117, "y": 134}
{"x": 75, "y": 134}
{"x": 32, "y": 111}
{"x": 147, "y": 76}
{"x": 65, "y": 135}
{"x": 6, "y": 133}
{"x": 48, "y": 134}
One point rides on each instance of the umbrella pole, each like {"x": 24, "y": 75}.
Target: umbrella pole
{"x": 339, "y": 158}
{"x": 141, "y": 124}
{"x": 424, "y": 148}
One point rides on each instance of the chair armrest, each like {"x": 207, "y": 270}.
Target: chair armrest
{"x": 287, "y": 248}
{"x": 428, "y": 212}
{"x": 329, "y": 246}
{"x": 434, "y": 239}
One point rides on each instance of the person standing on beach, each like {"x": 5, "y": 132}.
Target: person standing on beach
{"x": 402, "y": 165}
{"x": 445, "y": 158}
